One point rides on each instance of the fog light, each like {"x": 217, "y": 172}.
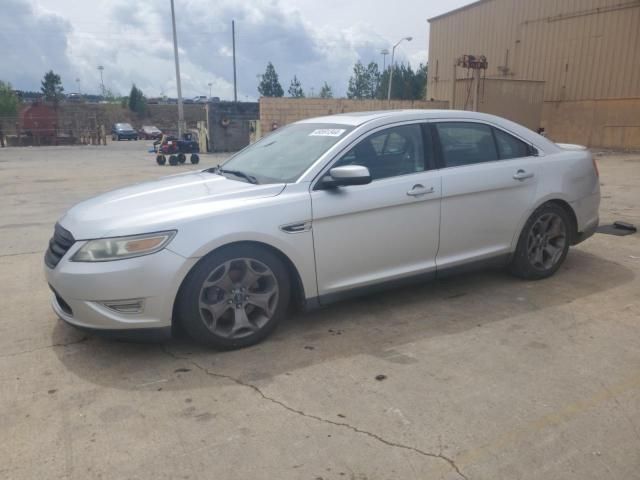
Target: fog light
{"x": 135, "y": 305}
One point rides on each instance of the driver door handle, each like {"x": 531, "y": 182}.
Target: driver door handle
{"x": 522, "y": 175}
{"x": 418, "y": 190}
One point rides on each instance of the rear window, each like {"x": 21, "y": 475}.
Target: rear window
{"x": 466, "y": 143}
{"x": 509, "y": 146}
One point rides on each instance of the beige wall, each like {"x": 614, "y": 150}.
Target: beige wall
{"x": 582, "y": 49}
{"x": 287, "y": 110}
{"x": 597, "y": 123}
{"x": 586, "y": 51}
{"x": 517, "y": 100}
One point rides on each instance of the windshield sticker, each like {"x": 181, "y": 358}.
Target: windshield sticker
{"x": 327, "y": 132}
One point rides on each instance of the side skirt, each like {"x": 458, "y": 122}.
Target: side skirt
{"x": 499, "y": 261}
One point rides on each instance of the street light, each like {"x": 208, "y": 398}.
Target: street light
{"x": 101, "y": 68}
{"x": 209, "y": 89}
{"x": 384, "y": 52}
{"x": 393, "y": 51}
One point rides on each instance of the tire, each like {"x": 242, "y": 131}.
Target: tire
{"x": 118, "y": 138}
{"x": 195, "y": 159}
{"x": 161, "y": 159}
{"x": 182, "y": 158}
{"x": 543, "y": 244}
{"x": 239, "y": 323}
{"x": 113, "y": 138}
{"x": 173, "y": 160}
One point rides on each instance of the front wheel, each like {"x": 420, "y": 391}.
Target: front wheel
{"x": 543, "y": 244}
{"x": 161, "y": 159}
{"x": 234, "y": 297}
{"x": 195, "y": 158}
{"x": 173, "y": 160}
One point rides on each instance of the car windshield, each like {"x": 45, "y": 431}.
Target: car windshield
{"x": 282, "y": 156}
{"x": 124, "y": 126}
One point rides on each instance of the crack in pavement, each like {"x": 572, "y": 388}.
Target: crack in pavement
{"x": 280, "y": 403}
{"x": 19, "y": 254}
{"x": 54, "y": 345}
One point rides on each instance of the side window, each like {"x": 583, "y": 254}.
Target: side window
{"x": 466, "y": 143}
{"x": 509, "y": 146}
{"x": 389, "y": 153}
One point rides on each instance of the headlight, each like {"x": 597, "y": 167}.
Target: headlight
{"x": 118, "y": 248}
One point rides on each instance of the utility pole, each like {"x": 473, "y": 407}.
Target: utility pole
{"x": 175, "y": 54}
{"x": 233, "y": 35}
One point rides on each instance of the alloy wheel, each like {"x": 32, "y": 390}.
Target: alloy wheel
{"x": 238, "y": 298}
{"x": 546, "y": 241}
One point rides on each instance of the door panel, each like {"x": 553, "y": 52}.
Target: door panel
{"x": 482, "y": 206}
{"x": 371, "y": 233}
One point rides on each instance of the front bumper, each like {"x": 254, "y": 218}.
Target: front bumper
{"x": 81, "y": 290}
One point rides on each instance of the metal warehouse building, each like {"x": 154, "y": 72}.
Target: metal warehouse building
{"x": 587, "y": 52}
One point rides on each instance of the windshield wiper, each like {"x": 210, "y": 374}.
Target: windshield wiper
{"x": 238, "y": 173}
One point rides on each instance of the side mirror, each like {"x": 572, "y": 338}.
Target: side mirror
{"x": 346, "y": 175}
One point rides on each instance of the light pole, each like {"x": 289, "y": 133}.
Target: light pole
{"x": 209, "y": 89}
{"x": 384, "y": 52}
{"x": 175, "y": 54}
{"x": 393, "y": 52}
{"x": 101, "y": 68}
{"x": 79, "y": 90}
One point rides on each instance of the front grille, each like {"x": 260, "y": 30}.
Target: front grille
{"x": 59, "y": 244}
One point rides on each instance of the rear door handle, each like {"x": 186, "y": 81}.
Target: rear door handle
{"x": 522, "y": 175}
{"x": 418, "y": 190}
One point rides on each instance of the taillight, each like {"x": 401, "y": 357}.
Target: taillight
{"x": 595, "y": 167}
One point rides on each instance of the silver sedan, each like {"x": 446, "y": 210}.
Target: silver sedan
{"x": 318, "y": 211}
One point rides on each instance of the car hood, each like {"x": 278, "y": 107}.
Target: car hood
{"x": 163, "y": 204}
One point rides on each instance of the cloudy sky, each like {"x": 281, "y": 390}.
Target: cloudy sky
{"x": 317, "y": 40}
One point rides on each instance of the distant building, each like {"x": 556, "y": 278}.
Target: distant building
{"x": 586, "y": 51}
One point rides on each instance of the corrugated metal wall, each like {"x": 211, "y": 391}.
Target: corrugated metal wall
{"x": 582, "y": 49}
{"x": 517, "y": 100}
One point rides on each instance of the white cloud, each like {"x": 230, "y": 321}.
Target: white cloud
{"x": 317, "y": 41}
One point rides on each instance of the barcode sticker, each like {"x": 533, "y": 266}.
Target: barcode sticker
{"x": 327, "y": 132}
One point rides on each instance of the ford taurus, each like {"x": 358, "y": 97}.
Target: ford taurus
{"x": 318, "y": 211}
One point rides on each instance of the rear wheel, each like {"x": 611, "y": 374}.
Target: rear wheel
{"x": 195, "y": 158}
{"x": 182, "y": 158}
{"x": 543, "y": 244}
{"x": 173, "y": 160}
{"x": 234, "y": 297}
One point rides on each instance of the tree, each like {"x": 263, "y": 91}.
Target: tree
{"x": 269, "y": 84}
{"x": 407, "y": 84}
{"x": 52, "y": 87}
{"x": 358, "y": 83}
{"x": 137, "y": 101}
{"x": 364, "y": 82}
{"x": 295, "y": 89}
{"x": 325, "y": 91}
{"x": 8, "y": 107}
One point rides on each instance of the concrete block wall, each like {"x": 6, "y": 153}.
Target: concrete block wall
{"x": 282, "y": 111}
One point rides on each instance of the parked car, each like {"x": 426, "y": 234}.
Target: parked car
{"x": 200, "y": 99}
{"x": 149, "y": 132}
{"x": 318, "y": 211}
{"x": 121, "y": 131}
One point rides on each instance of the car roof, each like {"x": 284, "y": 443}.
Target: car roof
{"x": 360, "y": 118}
